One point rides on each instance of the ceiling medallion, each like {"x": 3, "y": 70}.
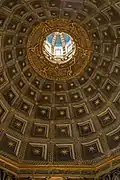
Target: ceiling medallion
{"x": 58, "y": 49}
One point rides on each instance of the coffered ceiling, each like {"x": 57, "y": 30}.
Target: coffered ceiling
{"x": 48, "y": 122}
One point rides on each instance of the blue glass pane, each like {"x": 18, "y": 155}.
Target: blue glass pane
{"x": 58, "y": 42}
{"x": 50, "y": 38}
{"x": 66, "y": 37}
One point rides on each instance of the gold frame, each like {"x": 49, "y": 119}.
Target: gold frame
{"x": 18, "y": 167}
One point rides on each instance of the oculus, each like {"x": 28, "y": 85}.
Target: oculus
{"x": 59, "y": 47}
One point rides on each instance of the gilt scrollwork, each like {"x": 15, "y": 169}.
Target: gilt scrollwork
{"x": 49, "y": 70}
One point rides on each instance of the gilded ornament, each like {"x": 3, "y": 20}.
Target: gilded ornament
{"x": 56, "y": 71}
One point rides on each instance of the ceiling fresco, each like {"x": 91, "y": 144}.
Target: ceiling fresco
{"x": 50, "y": 121}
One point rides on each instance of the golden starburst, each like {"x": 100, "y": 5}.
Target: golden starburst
{"x": 18, "y": 124}
{"x": 116, "y": 138}
{"x": 91, "y": 148}
{"x": 36, "y": 151}
{"x": 64, "y": 151}
{"x": 39, "y": 129}
{"x": 11, "y": 144}
{"x": 63, "y": 130}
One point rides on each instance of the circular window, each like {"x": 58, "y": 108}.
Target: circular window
{"x": 59, "y": 47}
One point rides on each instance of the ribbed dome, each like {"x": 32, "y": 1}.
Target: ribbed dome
{"x": 59, "y": 47}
